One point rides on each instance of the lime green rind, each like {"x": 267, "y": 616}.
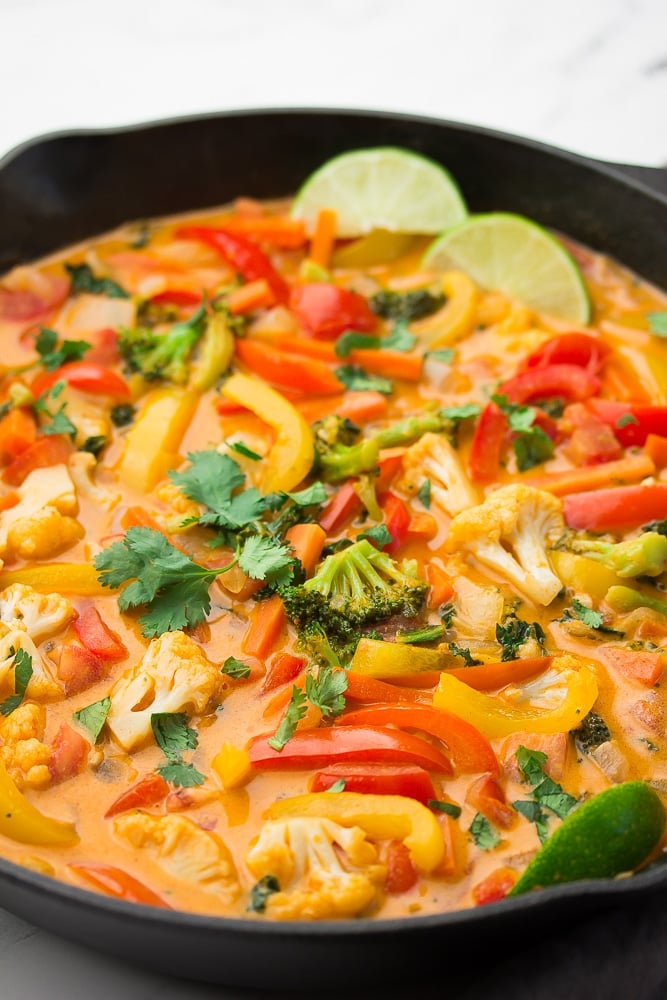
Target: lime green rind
{"x": 511, "y": 254}
{"x": 381, "y": 188}
{"x": 612, "y": 833}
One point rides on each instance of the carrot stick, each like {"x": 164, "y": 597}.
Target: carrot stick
{"x": 643, "y": 666}
{"x": 280, "y": 230}
{"x": 286, "y": 370}
{"x": 18, "y": 431}
{"x": 359, "y": 406}
{"x": 282, "y": 698}
{"x": 307, "y": 540}
{"x": 9, "y": 500}
{"x": 655, "y": 447}
{"x": 323, "y": 237}
{"x": 253, "y": 295}
{"x": 441, "y": 587}
{"x": 625, "y": 470}
{"x": 320, "y": 349}
{"x": 490, "y": 676}
{"x": 391, "y": 364}
{"x": 423, "y": 525}
{"x": 267, "y": 620}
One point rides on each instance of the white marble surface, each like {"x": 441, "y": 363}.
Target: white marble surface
{"x": 589, "y": 75}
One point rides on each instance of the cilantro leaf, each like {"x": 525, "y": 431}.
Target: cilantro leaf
{"x": 484, "y": 835}
{"x": 309, "y": 496}
{"x": 379, "y": 535}
{"x": 22, "y": 673}
{"x": 59, "y": 421}
{"x": 424, "y": 493}
{"x": 464, "y": 653}
{"x": 261, "y": 891}
{"x": 84, "y": 280}
{"x": 625, "y": 420}
{"x": 93, "y": 717}
{"x": 657, "y": 322}
{"x": 338, "y": 786}
{"x": 236, "y": 669}
{"x": 172, "y": 733}
{"x": 586, "y": 615}
{"x": 531, "y": 444}
{"x": 293, "y": 714}
{"x": 399, "y": 338}
{"x": 326, "y": 690}
{"x": 531, "y": 763}
{"x": 547, "y": 794}
{"x": 443, "y": 354}
{"x": 52, "y": 355}
{"x": 263, "y": 558}
{"x": 354, "y": 377}
{"x": 242, "y": 449}
{"x": 449, "y": 808}
{"x": 181, "y": 775}
{"x": 513, "y": 632}
{"x": 464, "y": 411}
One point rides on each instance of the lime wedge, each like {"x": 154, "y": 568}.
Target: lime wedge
{"x": 510, "y": 254}
{"x": 381, "y": 188}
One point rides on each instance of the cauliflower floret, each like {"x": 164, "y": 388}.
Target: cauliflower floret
{"x": 323, "y": 869}
{"x": 509, "y": 534}
{"x": 42, "y": 615}
{"x": 82, "y": 467}
{"x": 434, "y": 458}
{"x": 40, "y": 524}
{"x": 173, "y": 676}
{"x": 41, "y": 683}
{"x": 477, "y": 611}
{"x": 184, "y": 850}
{"x": 22, "y": 749}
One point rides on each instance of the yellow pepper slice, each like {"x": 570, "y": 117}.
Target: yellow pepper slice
{"x": 20, "y": 820}
{"x": 63, "y": 578}
{"x": 380, "y": 246}
{"x": 495, "y": 716}
{"x": 232, "y": 766}
{"x": 581, "y": 574}
{"x": 214, "y": 355}
{"x": 382, "y": 817}
{"x": 455, "y": 319}
{"x": 153, "y": 441}
{"x": 291, "y": 457}
{"x": 384, "y": 660}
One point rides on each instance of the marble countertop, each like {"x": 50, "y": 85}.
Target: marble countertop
{"x": 588, "y": 76}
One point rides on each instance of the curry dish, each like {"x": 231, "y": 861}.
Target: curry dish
{"x": 333, "y": 585}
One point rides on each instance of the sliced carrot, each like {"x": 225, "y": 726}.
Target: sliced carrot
{"x": 441, "y": 587}
{"x": 422, "y": 525}
{"x": 267, "y": 620}
{"x": 307, "y": 540}
{"x": 640, "y": 665}
{"x": 282, "y": 699}
{"x": 254, "y": 295}
{"x": 309, "y": 348}
{"x": 138, "y": 517}
{"x": 18, "y": 431}
{"x": 324, "y": 237}
{"x": 656, "y": 449}
{"x": 280, "y": 230}
{"x": 369, "y": 689}
{"x": 287, "y": 370}
{"x": 624, "y": 470}
{"x": 9, "y": 500}
{"x": 490, "y": 676}
{"x": 391, "y": 364}
{"x": 358, "y": 406}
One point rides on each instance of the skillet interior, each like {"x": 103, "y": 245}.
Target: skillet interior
{"x": 64, "y": 188}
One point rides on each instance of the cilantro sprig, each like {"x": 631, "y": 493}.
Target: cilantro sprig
{"x": 398, "y": 339}
{"x": 94, "y": 716}
{"x": 530, "y": 443}
{"x": 546, "y": 793}
{"x": 483, "y": 833}
{"x": 53, "y": 353}
{"x": 84, "y": 280}
{"x": 22, "y": 673}
{"x": 174, "y": 736}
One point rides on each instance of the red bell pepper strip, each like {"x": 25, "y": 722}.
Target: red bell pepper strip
{"x": 86, "y": 376}
{"x": 150, "y": 790}
{"x": 562, "y": 381}
{"x": 616, "y": 509}
{"x": 487, "y": 444}
{"x": 68, "y": 753}
{"x": 341, "y": 508}
{"x": 97, "y": 637}
{"x": 243, "y": 255}
{"x": 52, "y": 450}
{"x": 117, "y": 883}
{"x": 644, "y": 420}
{"x": 378, "y": 779}
{"x": 401, "y": 872}
{"x": 282, "y": 668}
{"x": 491, "y": 676}
{"x": 570, "y": 349}
{"x": 78, "y": 668}
{"x": 327, "y": 311}
{"x": 397, "y": 519}
{"x": 176, "y": 297}
{"x": 495, "y": 886}
{"x": 288, "y": 371}
{"x": 310, "y": 748}
{"x": 470, "y": 750}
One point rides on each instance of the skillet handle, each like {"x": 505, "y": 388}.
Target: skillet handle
{"x": 652, "y": 177}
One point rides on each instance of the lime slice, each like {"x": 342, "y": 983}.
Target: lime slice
{"x": 381, "y": 188}
{"x": 510, "y": 254}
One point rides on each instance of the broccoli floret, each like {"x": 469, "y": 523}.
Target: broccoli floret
{"x": 351, "y": 588}
{"x": 642, "y": 556}
{"x": 163, "y": 355}
{"x": 407, "y": 305}
{"x": 592, "y": 733}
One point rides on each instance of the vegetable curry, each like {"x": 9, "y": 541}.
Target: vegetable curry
{"x": 333, "y": 584}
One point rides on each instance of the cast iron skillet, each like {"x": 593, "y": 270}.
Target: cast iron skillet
{"x": 63, "y": 188}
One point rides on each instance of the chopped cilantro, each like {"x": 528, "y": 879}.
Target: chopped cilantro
{"x": 590, "y": 618}
{"x": 657, "y": 322}
{"x": 22, "y": 673}
{"x": 236, "y": 669}
{"x": 93, "y": 717}
{"x": 338, "y": 786}
{"x": 464, "y": 653}
{"x": 326, "y": 690}
{"x": 447, "y": 612}
{"x": 354, "y": 377}
{"x": 484, "y": 835}
{"x": 59, "y": 422}
{"x": 625, "y": 419}
{"x": 181, "y": 775}
{"x": 211, "y": 480}
{"x": 424, "y": 493}
{"x": 531, "y": 444}
{"x": 309, "y": 496}
{"x": 444, "y": 354}
{"x": 261, "y": 891}
{"x": 53, "y": 355}
{"x": 122, "y": 414}
{"x": 406, "y": 306}
{"x": 242, "y": 449}
{"x": 83, "y": 280}
{"x": 173, "y": 736}
{"x": 293, "y": 714}
{"x": 547, "y": 794}
{"x": 263, "y": 558}
{"x": 514, "y": 632}
{"x": 379, "y": 535}
{"x": 465, "y": 411}
{"x": 398, "y": 339}
{"x": 449, "y": 808}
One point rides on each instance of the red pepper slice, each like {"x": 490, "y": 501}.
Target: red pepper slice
{"x": 97, "y": 637}
{"x": 68, "y": 753}
{"x": 616, "y": 509}
{"x": 645, "y": 420}
{"x": 487, "y": 444}
{"x": 562, "y": 381}
{"x": 319, "y": 747}
{"x": 378, "y": 779}
{"x": 570, "y": 349}
{"x": 470, "y": 750}
{"x": 327, "y": 311}
{"x": 176, "y": 297}
{"x": 243, "y": 255}
{"x": 491, "y": 676}
{"x": 282, "y": 667}
{"x": 52, "y": 450}
{"x": 117, "y": 883}
{"x": 369, "y": 689}
{"x": 86, "y": 376}
{"x": 397, "y": 518}
{"x": 495, "y": 886}
{"x": 342, "y": 507}
{"x": 288, "y": 371}
{"x": 150, "y": 790}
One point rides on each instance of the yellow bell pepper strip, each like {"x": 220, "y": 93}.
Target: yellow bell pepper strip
{"x": 21, "y": 821}
{"x": 380, "y": 246}
{"x": 455, "y": 319}
{"x": 291, "y": 456}
{"x": 232, "y": 766}
{"x": 498, "y": 716}
{"x": 153, "y": 441}
{"x": 581, "y": 574}
{"x": 216, "y": 350}
{"x": 382, "y": 817}
{"x": 386, "y": 660}
{"x": 62, "y": 578}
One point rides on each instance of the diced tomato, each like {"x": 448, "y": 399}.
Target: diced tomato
{"x": 486, "y": 796}
{"x": 148, "y": 791}
{"x": 378, "y": 779}
{"x": 397, "y": 518}
{"x": 554, "y": 381}
{"x": 570, "y": 349}
{"x": 401, "y": 872}
{"x": 495, "y": 886}
{"x": 98, "y": 637}
{"x": 46, "y": 451}
{"x": 68, "y": 753}
{"x": 327, "y": 311}
{"x": 104, "y": 347}
{"x": 592, "y": 441}
{"x": 631, "y": 422}
{"x": 86, "y": 376}
{"x": 643, "y": 666}
{"x": 282, "y": 668}
{"x": 78, "y": 668}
